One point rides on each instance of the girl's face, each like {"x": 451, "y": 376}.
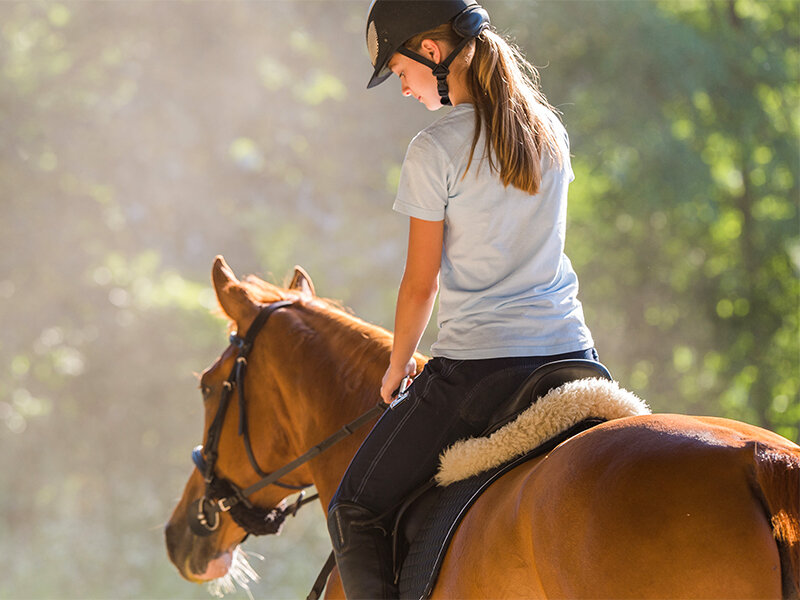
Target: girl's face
{"x": 416, "y": 80}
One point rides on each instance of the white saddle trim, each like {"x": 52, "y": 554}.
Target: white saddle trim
{"x": 555, "y": 412}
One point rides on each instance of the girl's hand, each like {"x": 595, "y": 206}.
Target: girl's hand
{"x": 394, "y": 376}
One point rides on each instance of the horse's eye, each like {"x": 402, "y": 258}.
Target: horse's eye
{"x": 205, "y": 390}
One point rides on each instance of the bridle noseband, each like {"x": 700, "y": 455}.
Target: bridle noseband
{"x": 221, "y": 494}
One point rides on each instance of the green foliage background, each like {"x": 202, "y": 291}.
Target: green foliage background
{"x": 139, "y": 139}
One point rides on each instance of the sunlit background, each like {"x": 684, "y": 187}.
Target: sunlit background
{"x": 140, "y": 139}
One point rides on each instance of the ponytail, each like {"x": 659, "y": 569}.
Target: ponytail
{"x": 512, "y": 112}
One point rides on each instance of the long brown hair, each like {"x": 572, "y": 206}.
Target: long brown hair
{"x": 514, "y": 114}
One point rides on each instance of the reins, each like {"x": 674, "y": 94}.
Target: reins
{"x": 222, "y": 495}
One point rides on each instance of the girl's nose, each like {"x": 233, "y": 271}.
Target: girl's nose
{"x": 405, "y": 89}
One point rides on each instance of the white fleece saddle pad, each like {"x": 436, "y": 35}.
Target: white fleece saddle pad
{"x": 550, "y": 415}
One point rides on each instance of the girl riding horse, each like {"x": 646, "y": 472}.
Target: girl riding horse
{"x": 485, "y": 188}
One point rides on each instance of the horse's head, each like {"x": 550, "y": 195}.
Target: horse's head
{"x": 202, "y": 535}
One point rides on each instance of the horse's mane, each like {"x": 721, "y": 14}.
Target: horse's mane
{"x": 356, "y": 340}
{"x": 263, "y": 292}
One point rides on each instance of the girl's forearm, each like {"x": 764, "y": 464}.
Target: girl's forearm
{"x": 414, "y": 308}
{"x": 418, "y": 289}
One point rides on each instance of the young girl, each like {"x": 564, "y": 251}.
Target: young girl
{"x": 485, "y": 188}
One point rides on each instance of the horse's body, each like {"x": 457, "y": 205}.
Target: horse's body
{"x": 653, "y": 506}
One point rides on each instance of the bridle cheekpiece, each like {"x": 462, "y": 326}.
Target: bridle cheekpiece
{"x": 221, "y": 494}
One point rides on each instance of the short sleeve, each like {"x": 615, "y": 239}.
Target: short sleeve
{"x": 567, "y": 161}
{"x": 422, "y": 191}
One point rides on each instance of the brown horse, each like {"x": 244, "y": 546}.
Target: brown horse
{"x": 656, "y": 506}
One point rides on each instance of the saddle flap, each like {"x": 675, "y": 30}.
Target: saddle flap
{"x": 540, "y": 382}
{"x": 438, "y": 512}
{"x": 409, "y": 519}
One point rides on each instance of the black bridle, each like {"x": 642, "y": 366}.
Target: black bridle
{"x": 221, "y": 494}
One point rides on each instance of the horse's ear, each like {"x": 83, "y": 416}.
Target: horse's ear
{"x": 231, "y": 295}
{"x": 302, "y": 282}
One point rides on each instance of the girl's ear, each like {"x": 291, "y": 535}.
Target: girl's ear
{"x": 430, "y": 49}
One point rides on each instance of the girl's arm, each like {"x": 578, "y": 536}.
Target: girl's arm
{"x": 414, "y": 300}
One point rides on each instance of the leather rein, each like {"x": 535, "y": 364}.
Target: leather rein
{"x": 221, "y": 494}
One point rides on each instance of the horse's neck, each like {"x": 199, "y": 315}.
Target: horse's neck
{"x": 342, "y": 367}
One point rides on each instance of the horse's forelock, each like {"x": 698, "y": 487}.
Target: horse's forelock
{"x": 262, "y": 292}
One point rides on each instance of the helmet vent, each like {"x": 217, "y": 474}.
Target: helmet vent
{"x": 372, "y": 42}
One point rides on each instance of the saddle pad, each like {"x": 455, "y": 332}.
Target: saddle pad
{"x": 427, "y": 551}
{"x": 551, "y": 414}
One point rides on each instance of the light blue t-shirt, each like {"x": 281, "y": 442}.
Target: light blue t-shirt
{"x": 506, "y": 286}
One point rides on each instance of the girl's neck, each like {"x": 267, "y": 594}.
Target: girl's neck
{"x": 458, "y": 92}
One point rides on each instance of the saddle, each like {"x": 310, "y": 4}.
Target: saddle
{"x": 428, "y": 519}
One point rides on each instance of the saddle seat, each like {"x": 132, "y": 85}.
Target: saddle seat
{"x": 540, "y": 382}
{"x": 427, "y": 520}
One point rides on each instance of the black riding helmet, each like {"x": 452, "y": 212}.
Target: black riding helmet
{"x": 391, "y": 23}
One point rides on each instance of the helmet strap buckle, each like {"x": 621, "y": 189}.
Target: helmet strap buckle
{"x": 441, "y": 72}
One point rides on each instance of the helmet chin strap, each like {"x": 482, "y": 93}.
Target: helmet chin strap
{"x": 441, "y": 70}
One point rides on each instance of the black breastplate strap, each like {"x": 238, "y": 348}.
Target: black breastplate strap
{"x": 222, "y": 495}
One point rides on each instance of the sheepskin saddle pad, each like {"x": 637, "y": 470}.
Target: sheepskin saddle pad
{"x": 556, "y": 411}
{"x": 470, "y": 466}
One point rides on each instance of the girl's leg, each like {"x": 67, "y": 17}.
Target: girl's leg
{"x": 449, "y": 401}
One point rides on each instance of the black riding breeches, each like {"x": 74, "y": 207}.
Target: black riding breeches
{"x": 449, "y": 401}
